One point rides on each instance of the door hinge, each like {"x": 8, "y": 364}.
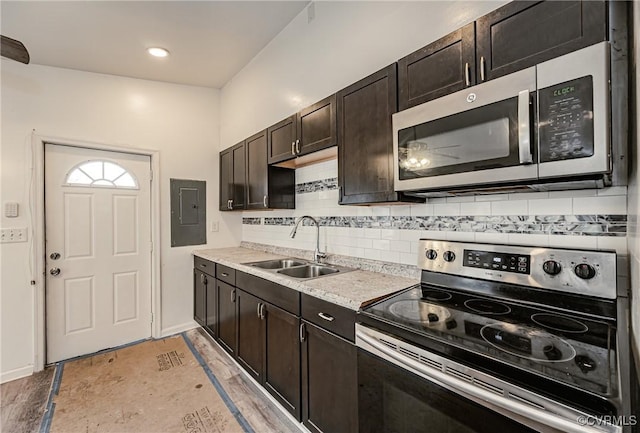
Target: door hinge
{"x": 151, "y": 246}
{"x": 151, "y": 317}
{"x": 150, "y": 174}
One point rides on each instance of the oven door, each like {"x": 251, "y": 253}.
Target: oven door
{"x": 481, "y": 135}
{"x": 403, "y": 388}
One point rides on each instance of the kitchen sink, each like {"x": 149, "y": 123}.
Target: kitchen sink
{"x": 308, "y": 271}
{"x": 278, "y": 264}
{"x": 298, "y": 269}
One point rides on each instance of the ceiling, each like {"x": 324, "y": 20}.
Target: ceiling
{"x": 209, "y": 41}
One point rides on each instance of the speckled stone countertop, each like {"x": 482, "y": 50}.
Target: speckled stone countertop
{"x": 352, "y": 290}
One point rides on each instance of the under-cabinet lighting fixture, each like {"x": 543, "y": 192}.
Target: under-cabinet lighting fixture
{"x": 157, "y": 52}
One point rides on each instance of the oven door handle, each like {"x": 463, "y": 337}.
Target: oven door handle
{"x": 524, "y": 128}
{"x": 464, "y": 388}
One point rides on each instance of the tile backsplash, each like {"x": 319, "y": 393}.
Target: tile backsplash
{"x": 591, "y": 219}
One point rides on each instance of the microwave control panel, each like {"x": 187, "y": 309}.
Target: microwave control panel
{"x": 566, "y": 120}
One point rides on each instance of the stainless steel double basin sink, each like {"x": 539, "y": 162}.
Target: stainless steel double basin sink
{"x": 298, "y": 269}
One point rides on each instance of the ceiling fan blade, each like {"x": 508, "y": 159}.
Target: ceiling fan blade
{"x": 15, "y": 50}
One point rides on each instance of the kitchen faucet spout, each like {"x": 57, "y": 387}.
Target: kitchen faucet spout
{"x": 317, "y": 255}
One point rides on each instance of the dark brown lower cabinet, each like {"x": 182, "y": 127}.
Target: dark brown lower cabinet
{"x": 226, "y": 316}
{"x": 199, "y": 297}
{"x": 329, "y": 382}
{"x": 211, "y": 317}
{"x": 250, "y": 334}
{"x": 282, "y": 360}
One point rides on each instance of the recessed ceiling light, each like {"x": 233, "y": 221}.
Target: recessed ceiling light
{"x": 157, "y": 52}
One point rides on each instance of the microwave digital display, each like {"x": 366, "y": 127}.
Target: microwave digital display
{"x": 566, "y": 120}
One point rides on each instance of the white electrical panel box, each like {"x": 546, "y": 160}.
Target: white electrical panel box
{"x": 11, "y": 209}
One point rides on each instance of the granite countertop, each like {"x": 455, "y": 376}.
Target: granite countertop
{"x": 353, "y": 290}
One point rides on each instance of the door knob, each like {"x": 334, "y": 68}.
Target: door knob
{"x": 54, "y": 271}
{"x": 54, "y": 256}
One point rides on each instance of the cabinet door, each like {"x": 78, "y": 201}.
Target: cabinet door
{"x": 227, "y": 316}
{"x": 239, "y": 176}
{"x": 257, "y": 180}
{"x": 365, "y": 139}
{"x": 316, "y": 126}
{"x": 250, "y": 334}
{"x": 280, "y": 140}
{"x": 329, "y": 382}
{"x": 442, "y": 67}
{"x": 211, "y": 321}
{"x": 226, "y": 179}
{"x": 523, "y": 33}
{"x": 199, "y": 297}
{"x": 282, "y": 357}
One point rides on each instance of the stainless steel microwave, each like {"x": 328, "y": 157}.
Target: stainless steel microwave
{"x": 544, "y": 127}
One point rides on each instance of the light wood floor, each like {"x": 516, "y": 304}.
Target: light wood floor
{"x": 23, "y": 401}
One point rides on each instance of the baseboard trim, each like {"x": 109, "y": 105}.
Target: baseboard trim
{"x": 18, "y": 373}
{"x": 178, "y": 329}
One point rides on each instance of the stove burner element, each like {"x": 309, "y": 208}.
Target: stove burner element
{"x": 484, "y": 306}
{"x": 436, "y": 295}
{"x": 419, "y": 311}
{"x": 560, "y": 323}
{"x": 528, "y": 343}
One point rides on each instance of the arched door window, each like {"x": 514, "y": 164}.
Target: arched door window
{"x": 101, "y": 174}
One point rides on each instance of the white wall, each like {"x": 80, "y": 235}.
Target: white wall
{"x": 346, "y": 41}
{"x": 634, "y": 196}
{"x": 181, "y": 122}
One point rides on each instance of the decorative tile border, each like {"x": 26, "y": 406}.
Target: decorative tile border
{"x": 317, "y": 185}
{"x": 585, "y": 225}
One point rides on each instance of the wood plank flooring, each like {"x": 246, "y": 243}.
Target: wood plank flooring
{"x": 23, "y": 401}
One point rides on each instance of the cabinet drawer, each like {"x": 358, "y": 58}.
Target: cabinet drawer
{"x": 278, "y": 295}
{"x": 226, "y": 274}
{"x": 204, "y": 265}
{"x": 331, "y": 317}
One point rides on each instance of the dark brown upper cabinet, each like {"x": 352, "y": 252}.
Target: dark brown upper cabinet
{"x": 248, "y": 182}
{"x": 281, "y": 139}
{"x": 515, "y": 36}
{"x": 257, "y": 176}
{"x": 442, "y": 67}
{"x": 365, "y": 140}
{"x": 310, "y": 130}
{"x": 521, "y": 34}
{"x": 316, "y": 126}
{"x": 232, "y": 178}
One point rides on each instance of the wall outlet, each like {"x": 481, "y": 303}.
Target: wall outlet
{"x": 13, "y": 235}
{"x": 215, "y": 226}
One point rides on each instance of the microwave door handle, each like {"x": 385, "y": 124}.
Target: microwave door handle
{"x": 524, "y": 128}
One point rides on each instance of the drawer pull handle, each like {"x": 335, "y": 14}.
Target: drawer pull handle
{"x": 224, "y": 274}
{"x": 303, "y": 333}
{"x": 203, "y": 265}
{"x": 326, "y": 317}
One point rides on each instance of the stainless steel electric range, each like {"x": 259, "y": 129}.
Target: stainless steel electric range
{"x": 497, "y": 338}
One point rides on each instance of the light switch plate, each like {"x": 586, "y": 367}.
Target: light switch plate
{"x": 13, "y": 235}
{"x": 215, "y": 226}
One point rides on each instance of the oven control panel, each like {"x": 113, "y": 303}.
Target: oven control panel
{"x": 582, "y": 272}
{"x": 518, "y": 263}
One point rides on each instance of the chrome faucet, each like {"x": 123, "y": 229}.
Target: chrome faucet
{"x": 317, "y": 255}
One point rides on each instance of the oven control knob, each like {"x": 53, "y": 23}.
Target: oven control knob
{"x": 448, "y": 256}
{"x": 431, "y": 254}
{"x": 585, "y": 271}
{"x": 551, "y": 267}
{"x": 432, "y": 317}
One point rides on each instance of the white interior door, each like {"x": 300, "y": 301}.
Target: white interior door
{"x": 98, "y": 250}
